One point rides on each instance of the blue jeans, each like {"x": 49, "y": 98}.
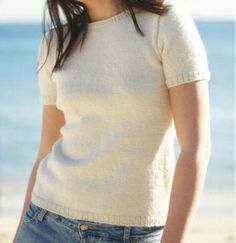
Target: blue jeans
{"x": 42, "y": 226}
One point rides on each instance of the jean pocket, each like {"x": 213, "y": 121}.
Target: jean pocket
{"x": 31, "y": 213}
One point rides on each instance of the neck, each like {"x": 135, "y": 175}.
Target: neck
{"x": 102, "y": 9}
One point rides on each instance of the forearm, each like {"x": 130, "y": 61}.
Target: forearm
{"x": 187, "y": 186}
{"x": 29, "y": 191}
{"x": 30, "y": 186}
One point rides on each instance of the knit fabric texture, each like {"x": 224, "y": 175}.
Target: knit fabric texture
{"x": 115, "y": 160}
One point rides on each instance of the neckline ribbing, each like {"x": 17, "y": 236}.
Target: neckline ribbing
{"x": 115, "y": 18}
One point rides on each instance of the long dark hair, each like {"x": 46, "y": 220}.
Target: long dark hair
{"x": 77, "y": 18}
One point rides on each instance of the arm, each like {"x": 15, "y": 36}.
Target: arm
{"x": 190, "y": 106}
{"x": 53, "y": 120}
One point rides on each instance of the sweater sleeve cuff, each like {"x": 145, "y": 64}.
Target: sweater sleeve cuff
{"x": 48, "y": 99}
{"x": 187, "y": 77}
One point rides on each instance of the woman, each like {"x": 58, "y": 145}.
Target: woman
{"x": 114, "y": 90}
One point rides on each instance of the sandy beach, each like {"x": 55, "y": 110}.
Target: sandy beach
{"x": 205, "y": 229}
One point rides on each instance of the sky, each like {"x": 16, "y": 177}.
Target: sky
{"x": 31, "y": 10}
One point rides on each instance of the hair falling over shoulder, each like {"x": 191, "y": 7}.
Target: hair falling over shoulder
{"x": 76, "y": 17}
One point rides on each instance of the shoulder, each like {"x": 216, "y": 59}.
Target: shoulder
{"x": 49, "y": 36}
{"x": 47, "y": 48}
{"x": 178, "y": 22}
{"x": 177, "y": 16}
{"x": 49, "y": 42}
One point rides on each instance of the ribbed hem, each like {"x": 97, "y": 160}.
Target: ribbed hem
{"x": 138, "y": 221}
{"x": 47, "y": 99}
{"x": 188, "y": 77}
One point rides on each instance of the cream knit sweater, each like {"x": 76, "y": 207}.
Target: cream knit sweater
{"x": 115, "y": 161}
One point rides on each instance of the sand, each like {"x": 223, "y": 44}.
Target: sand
{"x": 205, "y": 229}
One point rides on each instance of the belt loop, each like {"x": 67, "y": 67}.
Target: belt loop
{"x": 126, "y": 233}
{"x": 41, "y": 214}
{"x": 81, "y": 228}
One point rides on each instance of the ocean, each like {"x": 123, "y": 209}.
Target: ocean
{"x": 21, "y": 112}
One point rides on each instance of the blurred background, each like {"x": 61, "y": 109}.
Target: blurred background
{"x": 20, "y": 113}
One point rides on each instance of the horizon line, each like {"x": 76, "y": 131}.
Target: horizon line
{"x": 32, "y": 21}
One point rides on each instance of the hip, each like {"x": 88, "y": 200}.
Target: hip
{"x": 42, "y": 226}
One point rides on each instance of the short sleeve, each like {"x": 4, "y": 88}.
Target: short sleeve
{"x": 47, "y": 85}
{"x": 181, "y": 48}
